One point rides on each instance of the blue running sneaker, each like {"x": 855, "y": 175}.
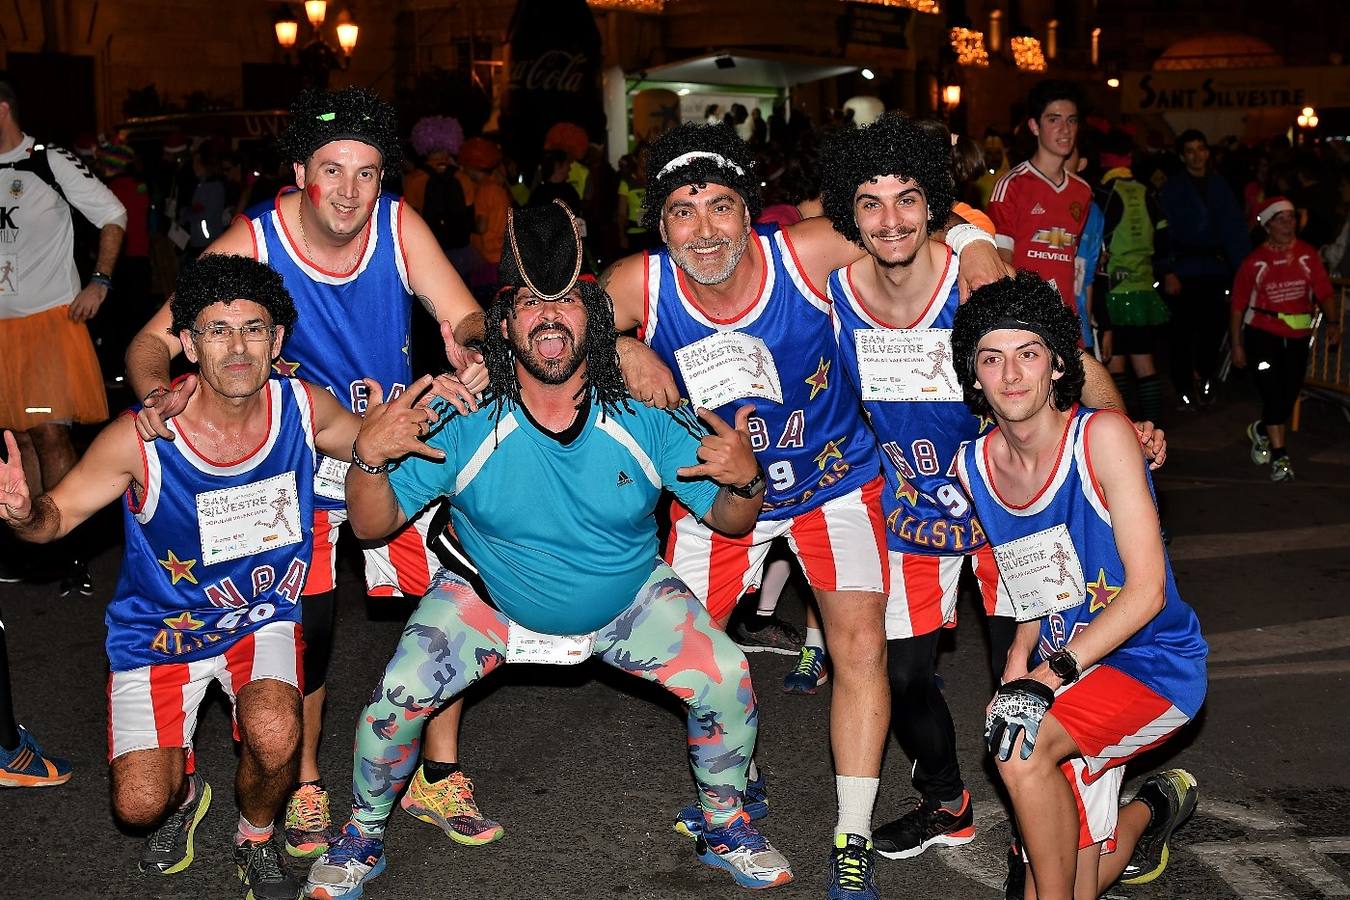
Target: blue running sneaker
{"x": 756, "y": 805}
{"x": 851, "y": 867}
{"x": 813, "y": 670}
{"x": 345, "y": 867}
{"x": 744, "y": 852}
{"x": 26, "y": 766}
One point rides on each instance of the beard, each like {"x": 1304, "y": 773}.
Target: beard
{"x": 542, "y": 369}
{"x": 899, "y": 263}
{"x": 688, "y": 261}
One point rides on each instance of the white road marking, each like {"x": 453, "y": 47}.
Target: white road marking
{"x": 982, "y": 860}
{"x": 1242, "y": 815}
{"x": 1271, "y": 670}
{"x": 1267, "y": 641}
{"x": 1250, "y": 543}
{"x": 1305, "y": 860}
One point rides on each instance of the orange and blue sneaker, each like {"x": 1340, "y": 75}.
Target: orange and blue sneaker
{"x": 308, "y": 827}
{"x": 348, "y": 863}
{"x": 812, "y": 670}
{"x": 755, "y": 803}
{"x": 449, "y": 805}
{"x": 26, "y": 766}
{"x": 745, "y": 853}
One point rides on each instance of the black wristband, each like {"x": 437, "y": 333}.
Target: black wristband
{"x": 751, "y": 488}
{"x": 367, "y": 467}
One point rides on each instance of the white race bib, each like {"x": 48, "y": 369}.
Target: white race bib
{"x": 526, "y": 646}
{"x": 1042, "y": 572}
{"x": 330, "y": 479}
{"x": 906, "y": 364}
{"x": 249, "y": 519}
{"x": 728, "y": 366}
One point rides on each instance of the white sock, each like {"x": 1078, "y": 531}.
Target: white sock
{"x": 771, "y": 586}
{"x": 857, "y": 796}
{"x": 815, "y": 638}
{"x": 251, "y": 833}
{"x": 754, "y": 771}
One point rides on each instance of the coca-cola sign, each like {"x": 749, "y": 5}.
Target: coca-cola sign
{"x": 555, "y": 70}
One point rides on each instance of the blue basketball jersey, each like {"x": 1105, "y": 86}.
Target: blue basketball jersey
{"x": 1168, "y": 654}
{"x": 779, "y": 355}
{"x": 920, "y": 423}
{"x": 350, "y": 325}
{"x": 215, "y": 550}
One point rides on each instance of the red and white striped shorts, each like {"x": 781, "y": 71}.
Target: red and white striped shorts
{"x": 924, "y": 591}
{"x": 841, "y": 546}
{"x": 156, "y": 706}
{"x": 402, "y": 564}
{"x": 1112, "y": 718}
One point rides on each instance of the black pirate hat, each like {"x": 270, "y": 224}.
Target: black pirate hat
{"x": 542, "y": 251}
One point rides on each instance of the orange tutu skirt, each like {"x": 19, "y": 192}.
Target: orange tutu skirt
{"x": 48, "y": 372}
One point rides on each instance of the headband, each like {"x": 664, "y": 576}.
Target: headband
{"x": 685, "y": 159}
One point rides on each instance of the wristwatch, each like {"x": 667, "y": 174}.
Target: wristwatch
{"x": 1064, "y": 664}
{"x": 750, "y": 488}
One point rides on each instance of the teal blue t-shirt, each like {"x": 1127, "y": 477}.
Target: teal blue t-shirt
{"x": 563, "y": 535}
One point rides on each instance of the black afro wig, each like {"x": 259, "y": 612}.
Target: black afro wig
{"x": 351, "y": 114}
{"x": 735, "y": 168}
{"x": 1026, "y": 302}
{"x": 892, "y": 145}
{"x": 217, "y": 278}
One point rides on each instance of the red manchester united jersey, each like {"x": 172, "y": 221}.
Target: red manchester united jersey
{"x": 1041, "y": 222}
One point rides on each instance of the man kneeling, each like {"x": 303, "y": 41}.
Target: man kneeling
{"x": 1064, "y": 496}
{"x": 555, "y": 482}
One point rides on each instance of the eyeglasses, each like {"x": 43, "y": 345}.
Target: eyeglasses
{"x": 219, "y": 334}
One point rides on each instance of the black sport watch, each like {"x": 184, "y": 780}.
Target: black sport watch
{"x": 1064, "y": 664}
{"x": 751, "y": 488}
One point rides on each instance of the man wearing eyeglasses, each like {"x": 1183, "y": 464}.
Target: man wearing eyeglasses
{"x": 219, "y": 532}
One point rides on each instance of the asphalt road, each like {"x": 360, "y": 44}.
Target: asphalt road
{"x": 586, "y": 768}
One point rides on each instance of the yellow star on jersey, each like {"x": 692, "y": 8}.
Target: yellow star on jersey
{"x": 985, "y": 423}
{"x": 906, "y": 491}
{"x": 830, "y": 452}
{"x": 820, "y": 381}
{"x": 179, "y": 569}
{"x": 1100, "y": 593}
{"x": 285, "y": 368}
{"x": 184, "y": 622}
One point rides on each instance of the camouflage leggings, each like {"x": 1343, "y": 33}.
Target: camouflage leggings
{"x": 454, "y": 639}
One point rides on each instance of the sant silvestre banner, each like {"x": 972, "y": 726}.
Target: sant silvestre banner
{"x": 1221, "y": 90}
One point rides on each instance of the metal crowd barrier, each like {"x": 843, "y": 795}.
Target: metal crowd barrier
{"x": 1329, "y": 367}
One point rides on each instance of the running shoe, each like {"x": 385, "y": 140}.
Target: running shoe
{"x": 1260, "y": 444}
{"x": 169, "y": 848}
{"x": 308, "y": 826}
{"x": 812, "y": 670}
{"x": 745, "y": 853}
{"x": 27, "y": 766}
{"x": 448, "y": 804}
{"x": 1170, "y": 797}
{"x": 1014, "y": 886}
{"x": 1281, "y": 470}
{"x": 926, "y": 824}
{"x": 756, "y": 805}
{"x": 258, "y": 864}
{"x": 851, "y": 865}
{"x": 348, "y": 863}
{"x": 775, "y": 636}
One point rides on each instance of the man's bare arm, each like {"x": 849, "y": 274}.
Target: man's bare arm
{"x": 1099, "y": 391}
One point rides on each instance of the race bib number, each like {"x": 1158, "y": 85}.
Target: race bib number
{"x": 1042, "y": 572}
{"x": 906, "y": 364}
{"x": 330, "y": 480}
{"x": 249, "y": 519}
{"x": 728, "y": 366}
{"x": 526, "y": 646}
{"x": 9, "y": 274}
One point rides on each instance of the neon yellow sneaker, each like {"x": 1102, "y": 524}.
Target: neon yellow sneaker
{"x": 448, "y": 804}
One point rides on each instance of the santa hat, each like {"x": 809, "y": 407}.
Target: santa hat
{"x": 1272, "y": 207}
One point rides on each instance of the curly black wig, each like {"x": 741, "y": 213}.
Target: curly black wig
{"x": 892, "y": 145}
{"x": 218, "y": 278}
{"x": 718, "y": 156}
{"x": 603, "y": 380}
{"x": 351, "y": 114}
{"x": 1029, "y": 303}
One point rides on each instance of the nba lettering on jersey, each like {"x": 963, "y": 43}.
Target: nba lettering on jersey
{"x": 728, "y": 366}
{"x": 1042, "y": 572}
{"x": 185, "y": 632}
{"x": 241, "y": 521}
{"x": 906, "y": 364}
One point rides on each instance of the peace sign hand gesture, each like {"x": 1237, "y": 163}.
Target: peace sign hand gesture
{"x": 725, "y": 455}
